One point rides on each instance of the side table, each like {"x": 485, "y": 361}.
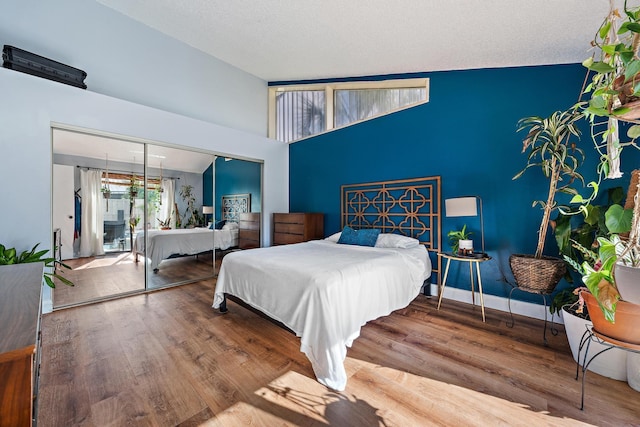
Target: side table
{"x": 471, "y": 260}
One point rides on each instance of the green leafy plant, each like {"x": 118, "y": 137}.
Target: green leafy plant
{"x": 577, "y": 244}
{"x": 550, "y": 149}
{"x": 166, "y": 223}
{"x": 9, "y": 256}
{"x": 597, "y": 273}
{"x": 456, "y": 235}
{"x": 191, "y": 217}
{"x": 614, "y": 85}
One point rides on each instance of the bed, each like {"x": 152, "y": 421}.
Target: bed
{"x": 165, "y": 244}
{"x": 325, "y": 291}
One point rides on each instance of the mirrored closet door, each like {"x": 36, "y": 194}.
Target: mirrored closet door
{"x": 98, "y": 192}
{"x": 129, "y": 216}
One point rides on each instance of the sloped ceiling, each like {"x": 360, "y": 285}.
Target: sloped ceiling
{"x": 302, "y": 39}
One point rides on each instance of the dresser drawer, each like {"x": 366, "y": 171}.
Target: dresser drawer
{"x": 283, "y": 227}
{"x": 297, "y": 227}
{"x": 286, "y": 239}
{"x": 249, "y": 231}
{"x": 289, "y": 218}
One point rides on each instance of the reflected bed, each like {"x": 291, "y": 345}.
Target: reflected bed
{"x": 164, "y": 244}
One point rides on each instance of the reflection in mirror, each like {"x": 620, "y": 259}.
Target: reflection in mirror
{"x": 179, "y": 243}
{"x": 239, "y": 196}
{"x": 95, "y": 212}
{"x": 122, "y": 222}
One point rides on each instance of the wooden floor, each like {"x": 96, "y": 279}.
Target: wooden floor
{"x": 168, "y": 359}
{"x": 117, "y": 273}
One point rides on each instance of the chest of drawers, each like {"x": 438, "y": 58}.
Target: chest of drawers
{"x": 297, "y": 227}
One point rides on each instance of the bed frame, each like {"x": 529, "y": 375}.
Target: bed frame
{"x": 411, "y": 207}
{"x": 235, "y": 204}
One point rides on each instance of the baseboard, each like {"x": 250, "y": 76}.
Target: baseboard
{"x": 522, "y": 308}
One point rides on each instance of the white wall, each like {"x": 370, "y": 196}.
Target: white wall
{"x": 28, "y": 107}
{"x": 128, "y": 60}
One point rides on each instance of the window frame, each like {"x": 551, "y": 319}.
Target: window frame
{"x": 331, "y": 87}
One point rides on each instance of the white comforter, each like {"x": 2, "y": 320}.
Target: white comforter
{"x": 325, "y": 292}
{"x": 187, "y": 241}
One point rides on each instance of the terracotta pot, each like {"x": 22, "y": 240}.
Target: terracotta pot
{"x": 628, "y": 282}
{"x": 625, "y": 328}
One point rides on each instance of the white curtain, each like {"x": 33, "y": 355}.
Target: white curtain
{"x": 92, "y": 213}
{"x": 167, "y": 207}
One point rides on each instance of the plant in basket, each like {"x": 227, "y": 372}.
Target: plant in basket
{"x": 550, "y": 149}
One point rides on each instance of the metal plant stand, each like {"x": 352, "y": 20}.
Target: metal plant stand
{"x": 592, "y": 335}
{"x": 553, "y": 329}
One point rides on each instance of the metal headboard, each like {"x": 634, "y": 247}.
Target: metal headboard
{"x": 411, "y": 207}
{"x": 235, "y": 204}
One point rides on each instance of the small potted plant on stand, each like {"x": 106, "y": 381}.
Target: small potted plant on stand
{"x": 459, "y": 240}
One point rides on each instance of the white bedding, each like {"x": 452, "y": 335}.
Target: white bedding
{"x": 188, "y": 241}
{"x": 325, "y": 292}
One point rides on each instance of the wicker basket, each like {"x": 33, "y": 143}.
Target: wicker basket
{"x": 537, "y": 275}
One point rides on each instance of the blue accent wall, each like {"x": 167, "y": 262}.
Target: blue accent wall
{"x": 467, "y": 135}
{"x": 238, "y": 177}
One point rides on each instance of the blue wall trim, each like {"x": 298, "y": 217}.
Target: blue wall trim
{"x": 466, "y": 134}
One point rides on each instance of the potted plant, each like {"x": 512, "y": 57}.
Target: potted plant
{"x": 10, "y": 256}
{"x": 550, "y": 149}
{"x": 191, "y": 216}
{"x": 615, "y": 99}
{"x": 133, "y": 186}
{"x": 166, "y": 224}
{"x": 579, "y": 228}
{"x": 573, "y": 232}
{"x": 459, "y": 240}
{"x": 106, "y": 192}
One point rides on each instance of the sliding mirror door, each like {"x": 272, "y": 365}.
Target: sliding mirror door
{"x": 180, "y": 245}
{"x": 130, "y": 216}
{"x": 97, "y": 192}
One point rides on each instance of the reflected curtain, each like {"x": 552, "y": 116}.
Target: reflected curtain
{"x": 92, "y": 213}
{"x": 167, "y": 206}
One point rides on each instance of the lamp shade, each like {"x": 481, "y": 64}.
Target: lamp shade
{"x": 461, "y": 206}
{"x": 207, "y": 210}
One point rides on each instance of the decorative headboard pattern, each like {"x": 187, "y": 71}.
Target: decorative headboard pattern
{"x": 235, "y": 204}
{"x": 411, "y": 207}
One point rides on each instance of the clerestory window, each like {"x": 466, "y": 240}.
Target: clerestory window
{"x": 300, "y": 111}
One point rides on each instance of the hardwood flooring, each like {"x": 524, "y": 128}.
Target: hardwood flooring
{"x": 168, "y": 359}
{"x": 116, "y": 274}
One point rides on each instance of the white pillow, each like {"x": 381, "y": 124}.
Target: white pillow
{"x": 389, "y": 240}
{"x": 230, "y": 226}
{"x": 335, "y": 237}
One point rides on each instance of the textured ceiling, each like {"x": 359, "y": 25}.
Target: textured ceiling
{"x": 302, "y": 39}
{"x": 117, "y": 150}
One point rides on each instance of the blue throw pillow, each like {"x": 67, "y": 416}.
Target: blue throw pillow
{"x": 364, "y": 237}
{"x": 220, "y": 224}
